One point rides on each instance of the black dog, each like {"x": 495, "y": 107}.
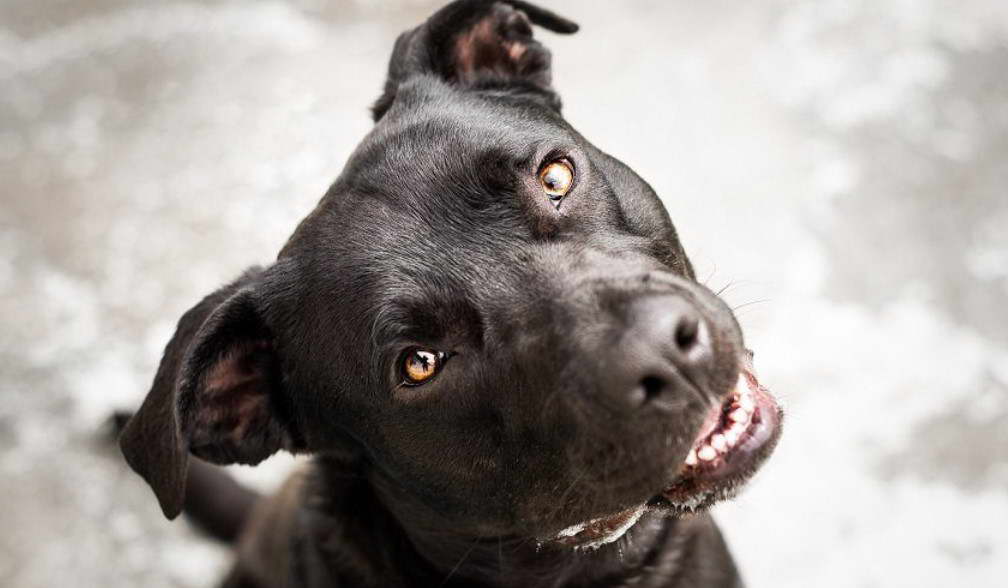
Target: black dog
{"x": 488, "y": 335}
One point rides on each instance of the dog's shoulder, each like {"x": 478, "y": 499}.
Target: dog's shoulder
{"x": 322, "y": 528}
{"x": 264, "y": 552}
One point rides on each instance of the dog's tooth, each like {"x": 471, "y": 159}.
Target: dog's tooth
{"x": 731, "y": 436}
{"x": 717, "y": 441}
{"x": 707, "y": 453}
{"x": 691, "y": 458}
{"x": 741, "y": 385}
{"x": 746, "y": 403}
{"x": 739, "y": 415}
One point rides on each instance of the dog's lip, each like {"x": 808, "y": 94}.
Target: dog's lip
{"x": 730, "y": 446}
{"x": 597, "y": 532}
{"x": 701, "y": 482}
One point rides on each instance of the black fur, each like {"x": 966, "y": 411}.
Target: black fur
{"x": 438, "y": 235}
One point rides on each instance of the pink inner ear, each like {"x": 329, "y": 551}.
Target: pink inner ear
{"x": 234, "y": 400}
{"x": 234, "y": 369}
{"x": 482, "y": 48}
{"x": 516, "y": 50}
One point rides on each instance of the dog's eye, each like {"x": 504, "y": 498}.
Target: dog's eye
{"x": 420, "y": 365}
{"x": 556, "y": 179}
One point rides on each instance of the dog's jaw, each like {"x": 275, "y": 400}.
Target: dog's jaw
{"x": 734, "y": 430}
{"x": 734, "y": 440}
{"x": 737, "y": 437}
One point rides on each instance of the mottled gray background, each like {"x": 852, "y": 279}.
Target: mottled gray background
{"x": 841, "y": 164}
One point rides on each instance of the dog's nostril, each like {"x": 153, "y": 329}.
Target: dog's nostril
{"x": 687, "y": 332}
{"x": 651, "y": 388}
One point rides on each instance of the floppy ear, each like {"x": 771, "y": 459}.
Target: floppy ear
{"x": 217, "y": 394}
{"x": 477, "y": 42}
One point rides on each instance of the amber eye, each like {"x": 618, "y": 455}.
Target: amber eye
{"x": 557, "y": 178}
{"x": 420, "y": 365}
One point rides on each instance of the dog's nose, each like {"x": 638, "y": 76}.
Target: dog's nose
{"x": 665, "y": 349}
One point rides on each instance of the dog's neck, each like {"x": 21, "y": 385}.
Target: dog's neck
{"x": 392, "y": 534}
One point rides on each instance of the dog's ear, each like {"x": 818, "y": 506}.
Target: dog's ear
{"x": 217, "y": 393}
{"x": 476, "y": 42}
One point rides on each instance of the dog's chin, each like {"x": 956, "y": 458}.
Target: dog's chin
{"x": 736, "y": 438}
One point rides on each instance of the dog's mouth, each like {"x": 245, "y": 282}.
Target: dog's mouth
{"x": 734, "y": 440}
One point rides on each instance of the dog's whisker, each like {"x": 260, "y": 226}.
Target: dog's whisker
{"x": 750, "y": 303}
{"x": 561, "y": 501}
{"x": 725, "y": 288}
{"x": 710, "y": 276}
{"x": 465, "y": 555}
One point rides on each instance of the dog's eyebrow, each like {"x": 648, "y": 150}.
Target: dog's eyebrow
{"x": 389, "y": 324}
{"x": 431, "y": 321}
{"x": 405, "y": 319}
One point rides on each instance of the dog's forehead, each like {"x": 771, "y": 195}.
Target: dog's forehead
{"x": 438, "y": 177}
{"x": 422, "y": 217}
{"x": 433, "y": 125}
{"x": 429, "y": 208}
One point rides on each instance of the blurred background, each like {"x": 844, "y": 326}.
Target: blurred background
{"x": 840, "y": 166}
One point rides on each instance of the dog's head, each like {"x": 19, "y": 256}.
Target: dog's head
{"x": 492, "y": 319}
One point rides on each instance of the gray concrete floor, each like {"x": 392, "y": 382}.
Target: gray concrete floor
{"x": 841, "y": 165}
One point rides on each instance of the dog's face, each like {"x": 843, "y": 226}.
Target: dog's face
{"x": 492, "y": 317}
